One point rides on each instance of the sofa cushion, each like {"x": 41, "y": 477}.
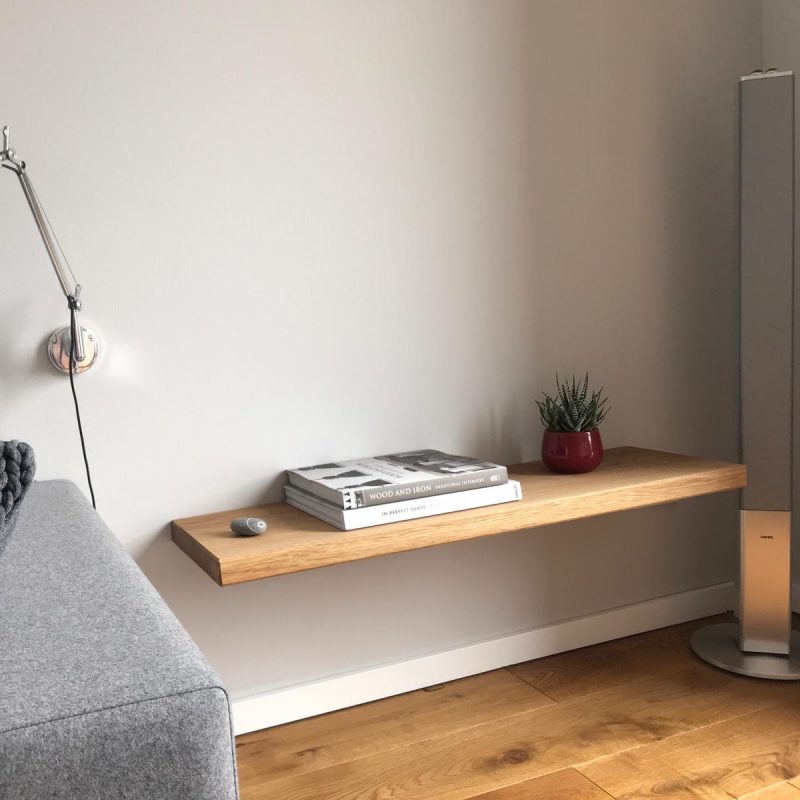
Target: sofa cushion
{"x": 102, "y": 689}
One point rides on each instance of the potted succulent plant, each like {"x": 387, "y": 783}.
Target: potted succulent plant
{"x": 571, "y": 441}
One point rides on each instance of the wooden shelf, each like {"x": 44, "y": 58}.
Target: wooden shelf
{"x": 628, "y": 478}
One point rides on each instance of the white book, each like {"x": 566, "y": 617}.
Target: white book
{"x": 352, "y": 519}
{"x": 395, "y": 477}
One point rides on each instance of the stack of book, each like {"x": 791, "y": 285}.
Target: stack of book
{"x": 374, "y": 491}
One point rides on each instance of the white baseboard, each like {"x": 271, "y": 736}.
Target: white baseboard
{"x": 342, "y": 691}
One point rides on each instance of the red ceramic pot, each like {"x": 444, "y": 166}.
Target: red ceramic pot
{"x": 572, "y": 452}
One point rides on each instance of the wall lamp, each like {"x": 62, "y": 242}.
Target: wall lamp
{"x": 60, "y": 344}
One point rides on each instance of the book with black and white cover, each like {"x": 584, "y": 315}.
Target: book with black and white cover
{"x": 354, "y": 518}
{"x": 374, "y": 481}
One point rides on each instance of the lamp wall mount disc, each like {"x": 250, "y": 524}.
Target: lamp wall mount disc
{"x": 59, "y": 345}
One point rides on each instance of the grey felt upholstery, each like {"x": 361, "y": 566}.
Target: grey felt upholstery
{"x": 102, "y": 693}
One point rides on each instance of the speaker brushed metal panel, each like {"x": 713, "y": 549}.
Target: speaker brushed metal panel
{"x": 767, "y": 268}
{"x": 766, "y": 617}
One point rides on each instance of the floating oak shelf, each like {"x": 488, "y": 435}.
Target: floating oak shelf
{"x": 628, "y": 478}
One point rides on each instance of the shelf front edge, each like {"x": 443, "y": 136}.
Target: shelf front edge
{"x": 202, "y": 557}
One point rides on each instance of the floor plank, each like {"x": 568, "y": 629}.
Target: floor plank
{"x": 732, "y": 758}
{"x": 578, "y": 673}
{"x": 778, "y": 791}
{"x": 636, "y": 718}
{"x": 497, "y": 754}
{"x": 382, "y": 726}
{"x": 567, "y": 784}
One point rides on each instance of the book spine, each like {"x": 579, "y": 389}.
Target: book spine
{"x": 406, "y": 510}
{"x": 430, "y": 487}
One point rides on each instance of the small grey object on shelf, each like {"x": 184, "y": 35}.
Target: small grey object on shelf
{"x": 248, "y": 526}
{"x": 17, "y": 468}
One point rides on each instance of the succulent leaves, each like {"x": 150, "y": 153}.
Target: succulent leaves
{"x": 573, "y": 409}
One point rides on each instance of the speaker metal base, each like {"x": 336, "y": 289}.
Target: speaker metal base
{"x": 719, "y": 645}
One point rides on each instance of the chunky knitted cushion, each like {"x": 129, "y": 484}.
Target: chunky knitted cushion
{"x": 17, "y": 467}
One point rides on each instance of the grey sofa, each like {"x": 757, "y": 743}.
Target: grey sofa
{"x": 103, "y": 694}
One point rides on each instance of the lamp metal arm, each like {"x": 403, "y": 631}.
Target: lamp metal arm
{"x": 71, "y": 289}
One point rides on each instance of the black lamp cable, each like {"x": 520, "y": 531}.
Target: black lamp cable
{"x": 74, "y": 333}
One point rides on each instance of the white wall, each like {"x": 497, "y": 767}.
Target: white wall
{"x": 781, "y": 28}
{"x": 311, "y": 230}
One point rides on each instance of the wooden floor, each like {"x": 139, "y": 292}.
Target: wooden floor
{"x": 636, "y": 718}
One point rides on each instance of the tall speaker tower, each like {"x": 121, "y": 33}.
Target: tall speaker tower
{"x": 762, "y": 644}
